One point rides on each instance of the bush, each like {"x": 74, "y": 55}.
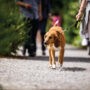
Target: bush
{"x": 11, "y": 28}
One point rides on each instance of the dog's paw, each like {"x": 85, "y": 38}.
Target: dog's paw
{"x": 50, "y": 66}
{"x": 53, "y": 66}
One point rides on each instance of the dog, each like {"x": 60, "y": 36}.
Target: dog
{"x": 53, "y": 39}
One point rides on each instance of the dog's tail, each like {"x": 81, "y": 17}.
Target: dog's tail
{"x": 56, "y": 23}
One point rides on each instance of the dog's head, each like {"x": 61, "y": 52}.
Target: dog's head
{"x": 50, "y": 38}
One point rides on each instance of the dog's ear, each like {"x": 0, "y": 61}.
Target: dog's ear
{"x": 45, "y": 35}
{"x": 58, "y": 33}
{"x": 56, "y": 39}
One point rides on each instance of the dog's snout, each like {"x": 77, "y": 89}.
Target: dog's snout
{"x": 45, "y": 43}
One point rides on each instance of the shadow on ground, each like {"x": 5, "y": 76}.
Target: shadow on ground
{"x": 46, "y": 58}
{"x": 1, "y": 87}
{"x": 73, "y": 69}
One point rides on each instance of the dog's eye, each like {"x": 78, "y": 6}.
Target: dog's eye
{"x": 50, "y": 37}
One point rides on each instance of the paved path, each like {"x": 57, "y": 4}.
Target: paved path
{"x": 70, "y": 51}
{"x": 34, "y": 74}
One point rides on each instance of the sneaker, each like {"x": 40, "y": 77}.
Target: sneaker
{"x": 84, "y": 42}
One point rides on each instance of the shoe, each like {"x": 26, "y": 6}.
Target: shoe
{"x": 43, "y": 53}
{"x": 24, "y": 52}
{"x": 84, "y": 42}
{"x": 32, "y": 54}
{"x": 88, "y": 43}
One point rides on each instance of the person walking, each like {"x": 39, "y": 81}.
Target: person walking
{"x": 45, "y": 9}
{"x": 31, "y": 10}
{"x": 56, "y": 18}
{"x": 84, "y": 13}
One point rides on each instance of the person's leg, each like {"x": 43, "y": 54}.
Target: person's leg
{"x": 43, "y": 30}
{"x": 27, "y": 38}
{"x": 42, "y": 42}
{"x": 89, "y": 35}
{"x": 89, "y": 29}
{"x": 32, "y": 35}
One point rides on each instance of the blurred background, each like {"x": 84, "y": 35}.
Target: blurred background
{"x": 12, "y": 28}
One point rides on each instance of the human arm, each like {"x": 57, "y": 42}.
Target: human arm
{"x": 81, "y": 10}
{"x": 23, "y": 4}
{"x": 40, "y": 11}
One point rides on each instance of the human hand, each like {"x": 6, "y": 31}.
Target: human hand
{"x": 78, "y": 16}
{"x": 28, "y": 6}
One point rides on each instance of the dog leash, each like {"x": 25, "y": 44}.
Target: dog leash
{"x": 73, "y": 25}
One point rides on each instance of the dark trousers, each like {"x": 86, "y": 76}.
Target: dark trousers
{"x": 42, "y": 26}
{"x": 31, "y": 31}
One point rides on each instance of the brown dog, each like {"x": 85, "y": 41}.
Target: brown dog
{"x": 55, "y": 38}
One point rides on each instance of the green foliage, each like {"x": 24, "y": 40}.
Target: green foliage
{"x": 68, "y": 10}
{"x": 72, "y": 35}
{"x": 11, "y": 28}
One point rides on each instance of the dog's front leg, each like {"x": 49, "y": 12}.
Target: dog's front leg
{"x": 53, "y": 57}
{"x": 50, "y": 58}
{"x": 61, "y": 56}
